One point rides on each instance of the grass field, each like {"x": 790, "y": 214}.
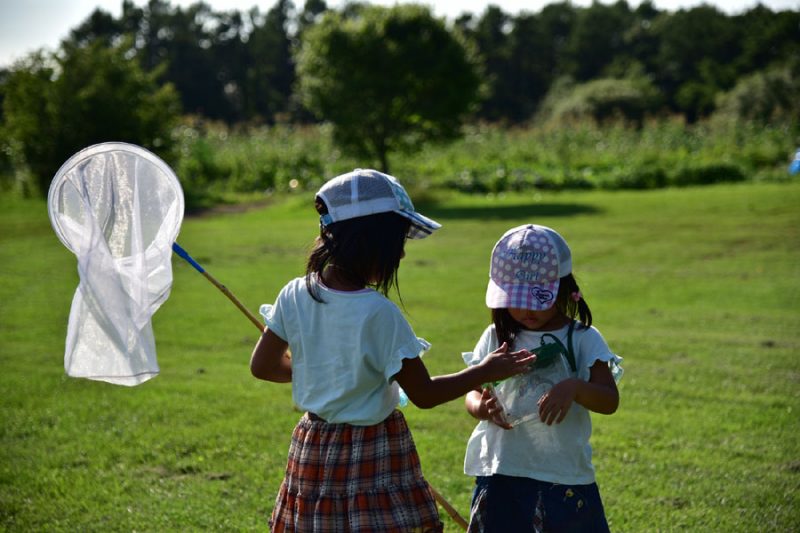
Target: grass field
{"x": 697, "y": 288}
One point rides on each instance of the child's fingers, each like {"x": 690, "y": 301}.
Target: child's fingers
{"x": 545, "y": 415}
{"x": 500, "y": 421}
{"x": 519, "y": 358}
{"x": 524, "y": 357}
{"x": 545, "y": 409}
{"x": 551, "y": 412}
{"x": 495, "y": 413}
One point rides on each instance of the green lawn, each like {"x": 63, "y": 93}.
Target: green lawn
{"x": 698, "y": 289}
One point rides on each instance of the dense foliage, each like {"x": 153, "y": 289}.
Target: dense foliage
{"x": 366, "y": 75}
{"x": 82, "y": 97}
{"x": 234, "y": 66}
{"x": 118, "y": 77}
{"x": 218, "y": 164}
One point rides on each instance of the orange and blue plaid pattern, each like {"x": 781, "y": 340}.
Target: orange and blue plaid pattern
{"x": 341, "y": 477}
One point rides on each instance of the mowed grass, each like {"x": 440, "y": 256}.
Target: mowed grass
{"x": 698, "y": 289}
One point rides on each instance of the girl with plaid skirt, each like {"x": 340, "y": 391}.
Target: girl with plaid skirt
{"x": 530, "y": 452}
{"x": 347, "y": 350}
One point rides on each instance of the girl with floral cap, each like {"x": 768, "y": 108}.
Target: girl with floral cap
{"x": 530, "y": 452}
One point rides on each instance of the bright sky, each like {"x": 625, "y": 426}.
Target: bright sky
{"x": 26, "y": 25}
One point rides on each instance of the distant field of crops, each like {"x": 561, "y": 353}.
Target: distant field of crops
{"x": 216, "y": 163}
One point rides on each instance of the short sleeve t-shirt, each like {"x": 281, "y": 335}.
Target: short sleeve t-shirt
{"x": 559, "y": 453}
{"x": 345, "y": 350}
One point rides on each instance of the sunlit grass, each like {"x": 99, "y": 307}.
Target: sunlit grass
{"x": 696, "y": 288}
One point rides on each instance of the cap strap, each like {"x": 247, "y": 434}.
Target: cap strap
{"x": 570, "y": 353}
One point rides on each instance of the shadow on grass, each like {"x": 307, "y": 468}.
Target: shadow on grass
{"x": 507, "y": 212}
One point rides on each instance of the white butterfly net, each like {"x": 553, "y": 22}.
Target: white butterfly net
{"x": 118, "y": 208}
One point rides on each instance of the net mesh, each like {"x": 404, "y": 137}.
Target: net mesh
{"x": 118, "y": 208}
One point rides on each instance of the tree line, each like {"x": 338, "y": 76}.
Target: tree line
{"x": 240, "y": 66}
{"x": 389, "y": 79}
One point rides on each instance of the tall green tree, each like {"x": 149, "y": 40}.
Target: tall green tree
{"x": 228, "y": 58}
{"x": 388, "y": 80}
{"x": 225, "y": 65}
{"x": 538, "y": 48}
{"x": 180, "y": 43}
{"x": 696, "y": 58}
{"x": 598, "y": 38}
{"x": 182, "y": 39}
{"x": 772, "y": 39}
{"x": 490, "y": 33}
{"x": 270, "y": 71}
{"x": 56, "y": 105}
{"x": 556, "y": 22}
{"x": 310, "y": 14}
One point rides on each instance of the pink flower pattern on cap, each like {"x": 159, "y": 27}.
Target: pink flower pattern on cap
{"x": 527, "y": 265}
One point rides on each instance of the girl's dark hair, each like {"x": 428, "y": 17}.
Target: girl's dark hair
{"x": 507, "y": 328}
{"x": 365, "y": 251}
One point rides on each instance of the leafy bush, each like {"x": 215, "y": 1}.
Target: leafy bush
{"x": 55, "y": 106}
{"x": 706, "y": 175}
{"x": 764, "y": 97}
{"x": 606, "y": 99}
{"x": 363, "y": 72}
{"x": 219, "y": 165}
{"x": 639, "y": 178}
{"x": 491, "y": 160}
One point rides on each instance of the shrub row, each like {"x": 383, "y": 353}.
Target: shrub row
{"x": 214, "y": 162}
{"x": 624, "y": 178}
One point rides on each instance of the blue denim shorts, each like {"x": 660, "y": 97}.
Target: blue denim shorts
{"x": 501, "y": 504}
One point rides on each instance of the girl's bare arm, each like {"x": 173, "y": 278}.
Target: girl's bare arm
{"x": 599, "y": 394}
{"x": 270, "y": 360}
{"x": 426, "y": 391}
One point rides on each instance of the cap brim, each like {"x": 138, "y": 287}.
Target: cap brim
{"x": 538, "y": 297}
{"x": 421, "y": 226}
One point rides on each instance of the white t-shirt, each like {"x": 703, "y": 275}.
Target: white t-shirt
{"x": 345, "y": 351}
{"x": 559, "y": 453}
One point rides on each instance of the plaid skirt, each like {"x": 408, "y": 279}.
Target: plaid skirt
{"x": 344, "y": 478}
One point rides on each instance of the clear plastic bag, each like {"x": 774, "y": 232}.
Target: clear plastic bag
{"x": 519, "y": 395}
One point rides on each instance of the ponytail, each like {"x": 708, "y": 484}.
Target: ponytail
{"x": 570, "y": 301}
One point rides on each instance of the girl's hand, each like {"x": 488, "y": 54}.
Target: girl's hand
{"x": 426, "y": 391}
{"x": 555, "y": 403}
{"x": 482, "y": 405}
{"x": 502, "y": 364}
{"x": 599, "y": 395}
{"x": 490, "y": 410}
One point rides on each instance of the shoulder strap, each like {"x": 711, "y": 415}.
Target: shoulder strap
{"x": 570, "y": 353}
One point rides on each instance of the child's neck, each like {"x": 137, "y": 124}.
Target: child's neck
{"x": 554, "y": 324}
{"x": 331, "y": 277}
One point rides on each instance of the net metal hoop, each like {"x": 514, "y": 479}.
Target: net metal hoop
{"x": 61, "y": 180}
